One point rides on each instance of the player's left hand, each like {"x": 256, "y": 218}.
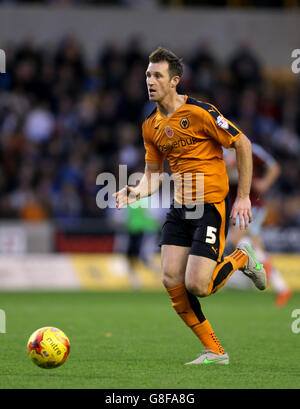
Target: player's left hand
{"x": 241, "y": 209}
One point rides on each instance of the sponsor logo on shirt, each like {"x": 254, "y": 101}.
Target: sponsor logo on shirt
{"x": 181, "y": 143}
{"x": 221, "y": 122}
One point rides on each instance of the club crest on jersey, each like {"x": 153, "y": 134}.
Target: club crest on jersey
{"x": 221, "y": 122}
{"x": 184, "y": 123}
{"x": 169, "y": 131}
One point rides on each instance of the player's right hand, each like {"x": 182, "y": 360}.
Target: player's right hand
{"x": 125, "y": 196}
{"x": 241, "y": 210}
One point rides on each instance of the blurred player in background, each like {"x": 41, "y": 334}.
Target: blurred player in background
{"x": 190, "y": 134}
{"x": 265, "y": 173}
{"x": 142, "y": 226}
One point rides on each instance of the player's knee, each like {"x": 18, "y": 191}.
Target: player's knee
{"x": 166, "y": 280}
{"x": 170, "y": 279}
{"x": 198, "y": 289}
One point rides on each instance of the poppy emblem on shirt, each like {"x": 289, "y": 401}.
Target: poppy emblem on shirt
{"x": 169, "y": 131}
{"x": 184, "y": 123}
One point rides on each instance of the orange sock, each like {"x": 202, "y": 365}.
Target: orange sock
{"x": 208, "y": 338}
{"x": 198, "y": 323}
{"x": 225, "y": 269}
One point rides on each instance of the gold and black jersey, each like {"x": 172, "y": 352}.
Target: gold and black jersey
{"x": 192, "y": 139}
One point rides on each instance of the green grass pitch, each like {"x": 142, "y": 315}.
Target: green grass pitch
{"x": 135, "y": 340}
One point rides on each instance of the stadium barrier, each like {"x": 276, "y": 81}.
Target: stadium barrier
{"x": 92, "y": 236}
{"x": 43, "y": 256}
{"x": 72, "y": 272}
{"x": 99, "y": 272}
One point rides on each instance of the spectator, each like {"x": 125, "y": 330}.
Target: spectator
{"x": 245, "y": 68}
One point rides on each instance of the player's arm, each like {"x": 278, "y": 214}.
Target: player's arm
{"x": 272, "y": 173}
{"x": 242, "y": 205}
{"x": 229, "y": 136}
{"x": 148, "y": 184}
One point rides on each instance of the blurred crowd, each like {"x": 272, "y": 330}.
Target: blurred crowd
{"x": 63, "y": 122}
{"x": 164, "y": 3}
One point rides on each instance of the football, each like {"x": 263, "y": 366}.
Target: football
{"x": 48, "y": 347}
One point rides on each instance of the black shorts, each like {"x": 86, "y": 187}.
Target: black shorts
{"x": 205, "y": 235}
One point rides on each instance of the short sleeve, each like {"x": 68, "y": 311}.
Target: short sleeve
{"x": 219, "y": 128}
{"x": 153, "y": 154}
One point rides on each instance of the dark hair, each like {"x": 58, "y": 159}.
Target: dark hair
{"x": 163, "y": 54}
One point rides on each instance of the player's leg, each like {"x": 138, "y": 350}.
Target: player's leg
{"x": 133, "y": 254}
{"x": 199, "y": 272}
{"x": 197, "y": 286}
{"x": 176, "y": 239}
{"x": 176, "y": 234}
{"x": 206, "y": 270}
{"x": 205, "y": 276}
{"x": 175, "y": 246}
{"x": 187, "y": 306}
{"x": 173, "y": 261}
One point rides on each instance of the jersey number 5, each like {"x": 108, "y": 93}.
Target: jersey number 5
{"x": 211, "y": 235}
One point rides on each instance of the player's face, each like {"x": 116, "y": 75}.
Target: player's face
{"x": 158, "y": 81}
